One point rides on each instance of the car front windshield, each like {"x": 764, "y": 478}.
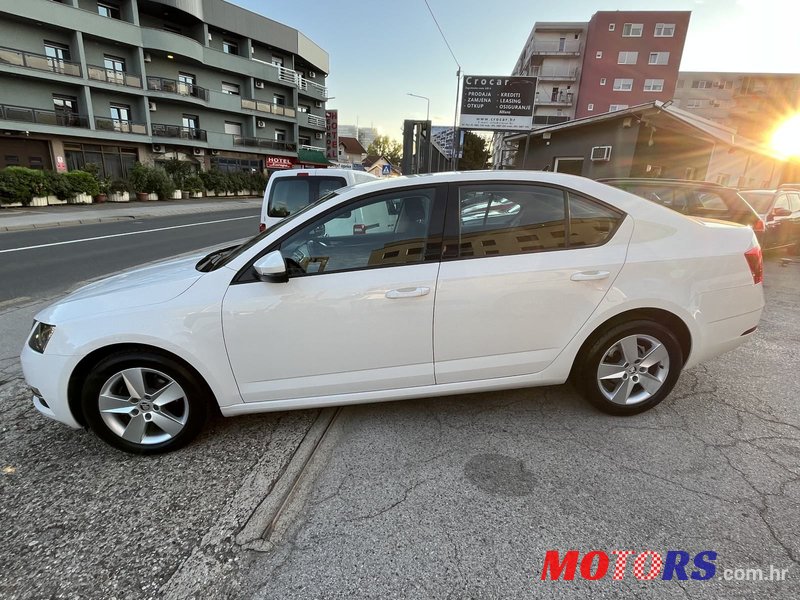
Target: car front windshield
{"x": 758, "y": 200}
{"x": 232, "y": 253}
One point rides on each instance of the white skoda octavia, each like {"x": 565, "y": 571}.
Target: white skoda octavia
{"x": 406, "y": 288}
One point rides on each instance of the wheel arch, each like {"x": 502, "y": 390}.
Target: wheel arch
{"x": 659, "y": 315}
{"x": 84, "y": 367}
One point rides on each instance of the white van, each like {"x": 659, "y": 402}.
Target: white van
{"x": 289, "y": 191}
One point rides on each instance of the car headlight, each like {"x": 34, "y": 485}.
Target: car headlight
{"x": 41, "y": 334}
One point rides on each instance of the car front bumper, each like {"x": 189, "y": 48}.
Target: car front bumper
{"x": 48, "y": 377}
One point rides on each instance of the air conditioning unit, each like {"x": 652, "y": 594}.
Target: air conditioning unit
{"x": 261, "y": 124}
{"x": 318, "y": 104}
{"x": 312, "y": 74}
{"x": 601, "y": 153}
{"x": 318, "y": 136}
{"x": 147, "y": 57}
{"x": 198, "y": 151}
{"x": 159, "y": 149}
{"x": 259, "y": 84}
{"x": 151, "y": 106}
{"x": 215, "y": 153}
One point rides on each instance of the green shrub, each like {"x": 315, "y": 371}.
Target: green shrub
{"x": 179, "y": 171}
{"x": 57, "y": 185}
{"x": 118, "y": 186}
{"x": 160, "y": 183}
{"x": 214, "y": 180}
{"x": 81, "y": 182}
{"x": 20, "y": 184}
{"x": 140, "y": 178}
{"x": 193, "y": 184}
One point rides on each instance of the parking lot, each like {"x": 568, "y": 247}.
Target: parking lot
{"x": 457, "y": 497}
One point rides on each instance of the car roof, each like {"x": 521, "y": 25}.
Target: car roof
{"x": 319, "y": 172}
{"x": 659, "y": 181}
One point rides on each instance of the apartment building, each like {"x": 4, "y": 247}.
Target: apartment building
{"x": 115, "y": 81}
{"x": 631, "y": 57}
{"x": 753, "y": 104}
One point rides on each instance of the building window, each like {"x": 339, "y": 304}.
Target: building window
{"x": 113, "y": 162}
{"x": 191, "y": 121}
{"x": 229, "y": 47}
{"x": 632, "y": 30}
{"x": 701, "y": 84}
{"x": 277, "y": 60}
{"x": 627, "y": 58}
{"x": 694, "y": 103}
{"x": 230, "y": 88}
{"x": 66, "y": 109}
{"x": 303, "y": 108}
{"x": 599, "y": 54}
{"x": 115, "y": 69}
{"x": 280, "y": 135}
{"x": 279, "y": 99}
{"x": 623, "y": 85}
{"x": 602, "y": 81}
{"x": 653, "y": 85}
{"x": 612, "y": 26}
{"x": 615, "y": 107}
{"x": 665, "y": 29}
{"x": 680, "y": 83}
{"x": 727, "y": 85}
{"x": 304, "y": 140}
{"x": 658, "y": 58}
{"x": 56, "y": 52}
{"x": 590, "y": 107}
{"x": 233, "y": 128}
{"x": 121, "y": 117}
{"x": 108, "y": 10}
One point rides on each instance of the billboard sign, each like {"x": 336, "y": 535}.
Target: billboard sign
{"x": 497, "y": 103}
{"x": 442, "y": 138}
{"x": 332, "y": 134}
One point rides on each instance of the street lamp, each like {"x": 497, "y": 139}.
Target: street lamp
{"x": 428, "y": 100}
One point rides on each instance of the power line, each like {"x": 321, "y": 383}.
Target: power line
{"x": 442, "y": 34}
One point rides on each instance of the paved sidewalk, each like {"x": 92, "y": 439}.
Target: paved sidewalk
{"x": 15, "y": 219}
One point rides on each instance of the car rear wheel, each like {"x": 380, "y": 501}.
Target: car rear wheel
{"x": 630, "y": 368}
{"x": 144, "y": 403}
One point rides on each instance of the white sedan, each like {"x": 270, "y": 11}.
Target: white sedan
{"x": 407, "y": 288}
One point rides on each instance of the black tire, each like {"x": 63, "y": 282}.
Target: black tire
{"x": 193, "y": 404}
{"x": 586, "y": 377}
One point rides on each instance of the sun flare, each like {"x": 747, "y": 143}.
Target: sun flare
{"x": 786, "y": 139}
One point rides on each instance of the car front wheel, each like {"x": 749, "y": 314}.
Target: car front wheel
{"x": 630, "y": 368}
{"x": 144, "y": 403}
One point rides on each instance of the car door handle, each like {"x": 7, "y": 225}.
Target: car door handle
{"x": 408, "y": 293}
{"x": 590, "y": 275}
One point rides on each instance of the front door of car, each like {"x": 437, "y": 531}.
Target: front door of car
{"x": 525, "y": 266}
{"x": 357, "y": 312}
{"x": 780, "y": 221}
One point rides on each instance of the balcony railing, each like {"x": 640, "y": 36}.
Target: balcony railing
{"x": 564, "y": 99}
{"x": 106, "y": 124}
{"x": 316, "y": 121}
{"x": 172, "y": 86}
{"x": 294, "y": 78}
{"x": 555, "y": 74}
{"x": 42, "y": 117}
{"x": 176, "y": 131}
{"x": 99, "y": 73}
{"x": 556, "y": 47}
{"x": 264, "y": 143}
{"x": 268, "y": 107}
{"x": 549, "y": 119}
{"x": 40, "y": 62}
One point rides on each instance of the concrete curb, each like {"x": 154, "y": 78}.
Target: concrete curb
{"x": 30, "y": 226}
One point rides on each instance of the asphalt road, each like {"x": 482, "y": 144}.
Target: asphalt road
{"x": 38, "y": 263}
{"x": 456, "y": 497}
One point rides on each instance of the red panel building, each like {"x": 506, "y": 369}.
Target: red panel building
{"x": 630, "y": 57}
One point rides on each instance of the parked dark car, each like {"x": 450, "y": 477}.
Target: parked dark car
{"x": 706, "y": 199}
{"x": 780, "y": 211}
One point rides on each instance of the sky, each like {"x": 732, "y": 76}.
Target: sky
{"x": 380, "y": 51}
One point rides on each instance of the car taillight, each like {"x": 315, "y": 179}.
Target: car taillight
{"x": 759, "y": 227}
{"x": 262, "y": 227}
{"x": 756, "y": 262}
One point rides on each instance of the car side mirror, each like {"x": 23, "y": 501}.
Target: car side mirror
{"x": 781, "y": 212}
{"x": 271, "y": 268}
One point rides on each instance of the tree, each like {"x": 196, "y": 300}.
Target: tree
{"x": 390, "y": 149}
{"x": 476, "y": 154}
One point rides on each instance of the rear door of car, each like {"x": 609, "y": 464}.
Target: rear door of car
{"x": 524, "y": 266}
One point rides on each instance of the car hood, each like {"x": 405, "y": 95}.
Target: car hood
{"x": 137, "y": 287}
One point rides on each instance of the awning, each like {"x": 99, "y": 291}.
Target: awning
{"x": 312, "y": 157}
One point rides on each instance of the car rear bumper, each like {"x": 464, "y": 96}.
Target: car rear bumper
{"x": 724, "y": 335}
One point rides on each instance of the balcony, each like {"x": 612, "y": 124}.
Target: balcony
{"x": 314, "y": 121}
{"x": 42, "y": 117}
{"x": 176, "y": 131}
{"x": 116, "y": 125}
{"x": 562, "y": 99}
{"x": 98, "y": 73}
{"x": 557, "y": 47}
{"x": 550, "y": 74}
{"x": 294, "y": 78}
{"x": 541, "y": 120}
{"x": 40, "y": 62}
{"x": 268, "y": 107}
{"x": 172, "y": 86}
{"x": 264, "y": 143}
{"x": 311, "y": 88}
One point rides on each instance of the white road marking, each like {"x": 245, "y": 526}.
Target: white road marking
{"x": 113, "y": 235}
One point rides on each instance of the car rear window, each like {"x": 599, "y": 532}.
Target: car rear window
{"x": 758, "y": 200}
{"x": 289, "y": 194}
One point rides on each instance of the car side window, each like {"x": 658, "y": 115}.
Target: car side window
{"x": 385, "y": 230}
{"x": 510, "y": 219}
{"x": 590, "y": 223}
{"x": 794, "y": 202}
{"x": 782, "y": 201}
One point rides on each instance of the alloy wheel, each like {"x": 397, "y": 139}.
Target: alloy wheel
{"x": 633, "y": 369}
